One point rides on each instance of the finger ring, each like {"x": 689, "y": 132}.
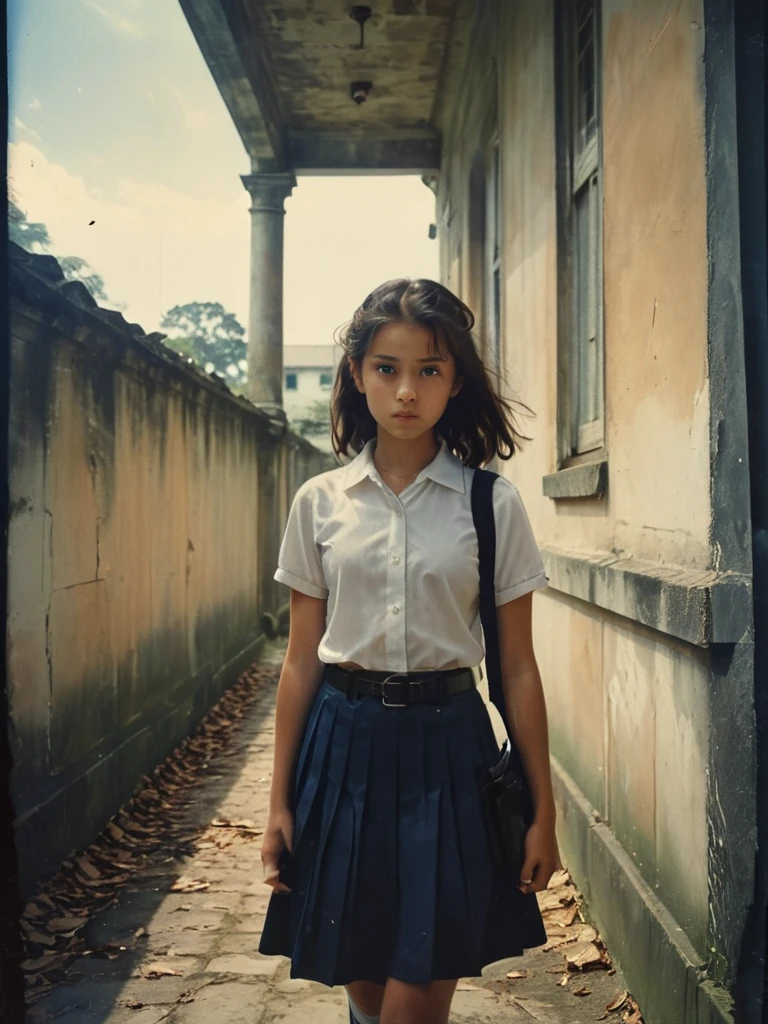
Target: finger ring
{"x": 526, "y": 881}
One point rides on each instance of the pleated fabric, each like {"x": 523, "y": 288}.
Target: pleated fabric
{"x": 391, "y": 871}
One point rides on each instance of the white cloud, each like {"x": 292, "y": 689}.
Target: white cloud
{"x": 24, "y": 128}
{"x": 125, "y": 25}
{"x": 35, "y": 104}
{"x": 154, "y": 247}
{"x": 196, "y": 119}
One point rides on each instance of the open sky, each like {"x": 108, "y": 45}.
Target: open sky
{"x": 115, "y": 118}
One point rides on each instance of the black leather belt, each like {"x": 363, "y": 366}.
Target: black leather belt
{"x": 400, "y": 689}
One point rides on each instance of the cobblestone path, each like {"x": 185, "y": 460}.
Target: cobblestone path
{"x": 183, "y": 928}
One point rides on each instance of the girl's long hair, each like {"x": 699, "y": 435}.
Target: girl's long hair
{"x": 477, "y": 422}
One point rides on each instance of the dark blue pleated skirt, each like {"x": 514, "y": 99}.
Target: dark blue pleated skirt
{"x": 391, "y": 872}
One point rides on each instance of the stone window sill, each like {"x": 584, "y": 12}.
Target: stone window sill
{"x": 589, "y": 480}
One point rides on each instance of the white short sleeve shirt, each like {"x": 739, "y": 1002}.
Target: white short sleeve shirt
{"x": 400, "y": 572}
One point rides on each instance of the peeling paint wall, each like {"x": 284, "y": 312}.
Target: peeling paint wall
{"x": 631, "y": 709}
{"x": 144, "y": 507}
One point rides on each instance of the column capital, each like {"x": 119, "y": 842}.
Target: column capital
{"x": 269, "y": 191}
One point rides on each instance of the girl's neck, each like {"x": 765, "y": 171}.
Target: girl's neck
{"x": 405, "y": 458}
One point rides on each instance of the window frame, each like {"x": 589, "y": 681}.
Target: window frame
{"x": 578, "y": 439}
{"x": 493, "y": 246}
{"x": 291, "y": 374}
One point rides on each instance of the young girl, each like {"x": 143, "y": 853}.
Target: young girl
{"x": 375, "y": 844}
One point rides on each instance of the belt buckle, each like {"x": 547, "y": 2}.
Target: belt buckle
{"x": 384, "y": 701}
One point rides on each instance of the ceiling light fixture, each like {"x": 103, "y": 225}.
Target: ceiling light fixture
{"x": 360, "y": 13}
{"x": 359, "y": 91}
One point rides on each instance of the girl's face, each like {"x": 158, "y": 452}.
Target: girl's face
{"x": 400, "y": 375}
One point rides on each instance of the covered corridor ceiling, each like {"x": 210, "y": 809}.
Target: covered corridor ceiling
{"x": 286, "y": 70}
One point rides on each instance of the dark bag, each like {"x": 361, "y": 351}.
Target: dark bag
{"x": 506, "y": 796}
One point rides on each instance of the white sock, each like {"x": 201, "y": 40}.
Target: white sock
{"x": 357, "y": 1013}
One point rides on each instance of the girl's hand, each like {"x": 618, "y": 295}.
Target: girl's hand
{"x": 542, "y": 858}
{"x": 278, "y": 836}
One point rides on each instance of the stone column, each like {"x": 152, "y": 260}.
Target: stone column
{"x": 265, "y": 322}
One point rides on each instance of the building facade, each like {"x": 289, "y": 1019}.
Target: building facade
{"x": 588, "y": 211}
{"x": 308, "y": 375}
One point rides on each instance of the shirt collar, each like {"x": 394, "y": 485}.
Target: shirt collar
{"x": 446, "y": 468}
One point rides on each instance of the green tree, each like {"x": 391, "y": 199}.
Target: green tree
{"x": 26, "y": 233}
{"x": 211, "y": 336}
{"x": 314, "y": 420}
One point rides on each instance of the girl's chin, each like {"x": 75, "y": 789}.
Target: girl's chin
{"x": 406, "y": 428}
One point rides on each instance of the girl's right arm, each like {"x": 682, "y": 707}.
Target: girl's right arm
{"x": 299, "y": 679}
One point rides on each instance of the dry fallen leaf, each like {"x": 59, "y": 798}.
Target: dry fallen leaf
{"x": 552, "y": 900}
{"x": 88, "y": 868}
{"x": 562, "y": 918}
{"x": 583, "y": 991}
{"x": 183, "y": 884}
{"x": 66, "y": 924}
{"x": 47, "y": 963}
{"x": 241, "y": 823}
{"x": 38, "y": 937}
{"x": 617, "y": 1002}
{"x": 517, "y": 974}
{"x": 585, "y": 956}
{"x": 158, "y": 970}
{"x": 558, "y": 878}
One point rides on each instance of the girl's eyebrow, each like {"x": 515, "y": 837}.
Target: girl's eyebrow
{"x": 427, "y": 359}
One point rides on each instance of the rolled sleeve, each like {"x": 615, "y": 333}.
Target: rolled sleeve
{"x": 519, "y": 565}
{"x": 298, "y": 563}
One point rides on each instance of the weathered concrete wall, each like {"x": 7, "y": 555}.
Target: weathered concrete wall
{"x": 655, "y": 256}
{"x": 630, "y": 722}
{"x": 145, "y": 502}
{"x": 632, "y": 710}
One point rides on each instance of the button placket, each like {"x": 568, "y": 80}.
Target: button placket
{"x": 396, "y": 633}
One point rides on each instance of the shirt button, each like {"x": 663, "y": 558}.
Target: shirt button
{"x": 396, "y": 560}
{"x": 396, "y": 609}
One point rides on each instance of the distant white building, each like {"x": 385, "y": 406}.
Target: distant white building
{"x": 308, "y": 375}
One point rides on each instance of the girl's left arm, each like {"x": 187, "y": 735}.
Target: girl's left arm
{"x": 527, "y": 716}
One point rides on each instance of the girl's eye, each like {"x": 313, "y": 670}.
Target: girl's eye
{"x": 388, "y": 366}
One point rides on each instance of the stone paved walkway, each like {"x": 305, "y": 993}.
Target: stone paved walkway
{"x": 189, "y": 955}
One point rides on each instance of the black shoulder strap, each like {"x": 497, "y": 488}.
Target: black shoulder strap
{"x": 485, "y": 527}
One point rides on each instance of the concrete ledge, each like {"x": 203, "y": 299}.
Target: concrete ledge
{"x": 700, "y": 607}
{"x": 665, "y": 973}
{"x": 74, "y": 807}
{"x": 589, "y": 480}
{"x": 320, "y": 152}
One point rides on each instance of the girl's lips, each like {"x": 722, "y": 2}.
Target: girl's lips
{"x": 405, "y": 416}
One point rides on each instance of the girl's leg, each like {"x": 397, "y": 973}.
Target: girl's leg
{"x": 417, "y": 1004}
{"x": 367, "y": 996}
